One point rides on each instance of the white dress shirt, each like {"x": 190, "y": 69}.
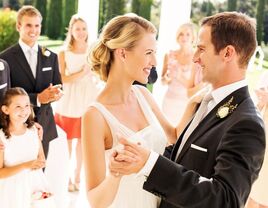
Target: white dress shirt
{"x": 218, "y": 95}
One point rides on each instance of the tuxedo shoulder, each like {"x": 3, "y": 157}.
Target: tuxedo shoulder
{"x": 3, "y": 61}
{"x": 8, "y": 50}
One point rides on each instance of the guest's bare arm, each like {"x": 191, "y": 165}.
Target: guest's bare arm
{"x": 101, "y": 187}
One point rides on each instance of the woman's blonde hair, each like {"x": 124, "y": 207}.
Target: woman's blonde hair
{"x": 120, "y": 32}
{"x": 184, "y": 26}
{"x": 69, "y": 41}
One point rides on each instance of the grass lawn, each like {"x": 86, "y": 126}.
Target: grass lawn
{"x": 53, "y": 45}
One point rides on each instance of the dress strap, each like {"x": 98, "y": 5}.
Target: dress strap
{"x": 146, "y": 108}
{"x": 115, "y": 126}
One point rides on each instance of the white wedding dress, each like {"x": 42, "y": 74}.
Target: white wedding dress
{"x": 130, "y": 193}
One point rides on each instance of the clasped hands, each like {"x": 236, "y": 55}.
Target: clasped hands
{"x": 129, "y": 158}
{"x": 50, "y": 94}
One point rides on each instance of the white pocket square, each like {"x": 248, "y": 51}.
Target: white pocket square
{"x": 47, "y": 69}
{"x": 198, "y": 148}
{"x": 3, "y": 86}
{"x": 2, "y": 66}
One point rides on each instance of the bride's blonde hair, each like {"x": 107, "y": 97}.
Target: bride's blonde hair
{"x": 120, "y": 32}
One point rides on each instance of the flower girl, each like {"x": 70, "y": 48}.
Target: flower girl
{"x": 22, "y": 158}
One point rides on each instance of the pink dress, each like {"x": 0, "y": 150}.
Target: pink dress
{"x": 258, "y": 191}
{"x": 175, "y": 99}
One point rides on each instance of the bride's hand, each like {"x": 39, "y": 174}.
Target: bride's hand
{"x": 199, "y": 95}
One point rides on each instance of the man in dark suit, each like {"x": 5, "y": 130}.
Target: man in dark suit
{"x": 36, "y": 70}
{"x": 213, "y": 164}
{"x": 4, "y": 78}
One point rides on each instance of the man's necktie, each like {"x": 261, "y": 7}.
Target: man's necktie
{"x": 32, "y": 61}
{"x": 200, "y": 114}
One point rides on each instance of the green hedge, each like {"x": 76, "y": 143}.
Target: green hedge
{"x": 8, "y": 32}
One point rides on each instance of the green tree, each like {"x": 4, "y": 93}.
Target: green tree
{"x": 265, "y": 29}
{"x": 207, "y": 8}
{"x": 54, "y": 19}
{"x": 260, "y": 18}
{"x": 231, "y": 5}
{"x": 113, "y": 8}
{"x": 135, "y": 6}
{"x": 29, "y": 2}
{"x": 109, "y": 9}
{"x": 14, "y": 4}
{"x": 248, "y": 7}
{"x": 41, "y": 5}
{"x": 70, "y": 9}
{"x": 8, "y": 32}
{"x": 142, "y": 8}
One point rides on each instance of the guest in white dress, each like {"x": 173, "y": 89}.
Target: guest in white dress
{"x": 22, "y": 156}
{"x": 125, "y": 52}
{"x": 79, "y": 86}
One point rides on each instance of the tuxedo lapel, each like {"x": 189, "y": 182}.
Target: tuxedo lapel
{"x": 22, "y": 61}
{"x": 210, "y": 120}
{"x": 39, "y": 65}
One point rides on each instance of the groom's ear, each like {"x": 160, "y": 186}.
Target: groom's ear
{"x": 228, "y": 53}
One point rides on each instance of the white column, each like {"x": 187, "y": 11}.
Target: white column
{"x": 173, "y": 14}
{"x": 90, "y": 11}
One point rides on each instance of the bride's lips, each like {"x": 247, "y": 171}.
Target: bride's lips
{"x": 147, "y": 71}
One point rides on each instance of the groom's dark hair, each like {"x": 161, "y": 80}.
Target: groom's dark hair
{"x": 236, "y": 29}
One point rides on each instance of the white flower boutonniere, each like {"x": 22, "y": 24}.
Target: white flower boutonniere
{"x": 226, "y": 109}
{"x": 2, "y": 66}
{"x": 45, "y": 52}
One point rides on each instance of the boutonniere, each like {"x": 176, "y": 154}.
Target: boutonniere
{"x": 2, "y": 66}
{"x": 226, "y": 109}
{"x": 45, "y": 52}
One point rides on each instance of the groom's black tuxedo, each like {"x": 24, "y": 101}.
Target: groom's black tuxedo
{"x": 220, "y": 177}
{"x": 47, "y": 71}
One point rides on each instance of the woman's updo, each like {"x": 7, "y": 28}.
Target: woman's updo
{"x": 120, "y": 32}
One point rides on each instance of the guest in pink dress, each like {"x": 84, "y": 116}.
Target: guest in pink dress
{"x": 180, "y": 74}
{"x": 259, "y": 196}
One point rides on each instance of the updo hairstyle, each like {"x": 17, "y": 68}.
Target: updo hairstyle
{"x": 120, "y": 32}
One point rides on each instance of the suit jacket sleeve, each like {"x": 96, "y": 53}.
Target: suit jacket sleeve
{"x": 55, "y": 80}
{"x": 238, "y": 160}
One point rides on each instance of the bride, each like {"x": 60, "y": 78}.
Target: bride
{"x": 125, "y": 52}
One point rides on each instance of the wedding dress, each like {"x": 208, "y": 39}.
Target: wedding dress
{"x": 130, "y": 193}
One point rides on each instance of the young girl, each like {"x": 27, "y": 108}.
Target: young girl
{"x": 22, "y": 157}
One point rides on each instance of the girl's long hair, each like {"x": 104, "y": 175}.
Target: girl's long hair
{"x": 4, "y": 118}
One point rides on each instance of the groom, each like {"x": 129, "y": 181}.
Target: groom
{"x": 214, "y": 163}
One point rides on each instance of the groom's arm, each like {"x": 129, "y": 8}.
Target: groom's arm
{"x": 237, "y": 163}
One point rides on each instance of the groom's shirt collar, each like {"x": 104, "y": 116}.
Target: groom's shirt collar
{"x": 220, "y": 93}
{"x": 25, "y": 47}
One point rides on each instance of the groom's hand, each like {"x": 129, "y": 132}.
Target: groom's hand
{"x": 129, "y": 160}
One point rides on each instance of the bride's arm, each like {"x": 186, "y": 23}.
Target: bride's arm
{"x": 101, "y": 187}
{"x": 171, "y": 131}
